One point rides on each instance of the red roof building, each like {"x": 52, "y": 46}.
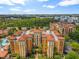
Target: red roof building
{"x": 48, "y": 40}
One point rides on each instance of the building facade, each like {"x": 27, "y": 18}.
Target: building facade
{"x": 63, "y": 28}
{"x": 47, "y": 40}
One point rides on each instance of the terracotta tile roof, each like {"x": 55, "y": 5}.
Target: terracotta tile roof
{"x": 44, "y": 35}
{"x": 21, "y": 38}
{"x": 5, "y": 32}
{"x": 68, "y": 25}
{"x": 29, "y": 35}
{"x": 56, "y": 33}
{"x": 50, "y": 37}
{"x": 64, "y": 25}
{"x": 18, "y": 32}
{"x": 6, "y": 47}
{"x": 3, "y": 54}
{"x": 12, "y": 37}
{"x": 24, "y": 37}
{"x": 61, "y": 38}
{"x": 1, "y": 31}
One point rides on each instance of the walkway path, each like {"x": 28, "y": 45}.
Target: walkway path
{"x": 36, "y": 56}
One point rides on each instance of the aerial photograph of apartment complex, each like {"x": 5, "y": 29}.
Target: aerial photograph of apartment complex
{"x": 39, "y": 29}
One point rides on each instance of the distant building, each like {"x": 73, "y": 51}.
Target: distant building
{"x": 63, "y": 27}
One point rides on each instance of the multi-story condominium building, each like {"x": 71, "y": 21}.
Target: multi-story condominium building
{"x": 67, "y": 18}
{"x": 29, "y": 42}
{"x": 67, "y": 28}
{"x": 73, "y": 19}
{"x": 44, "y": 44}
{"x": 63, "y": 28}
{"x": 37, "y": 37}
{"x": 52, "y": 42}
{"x": 18, "y": 45}
{"x": 48, "y": 40}
{"x": 21, "y": 44}
{"x": 11, "y": 39}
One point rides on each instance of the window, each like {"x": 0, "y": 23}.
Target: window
{"x": 61, "y": 43}
{"x": 51, "y": 43}
{"x": 29, "y": 38}
{"x": 36, "y": 40}
{"x": 23, "y": 43}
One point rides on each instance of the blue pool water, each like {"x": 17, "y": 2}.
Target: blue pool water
{"x": 4, "y": 41}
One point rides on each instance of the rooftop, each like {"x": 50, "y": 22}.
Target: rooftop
{"x": 3, "y": 54}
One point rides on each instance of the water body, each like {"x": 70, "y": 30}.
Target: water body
{"x": 4, "y": 42}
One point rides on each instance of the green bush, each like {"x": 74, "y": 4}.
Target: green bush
{"x": 72, "y": 55}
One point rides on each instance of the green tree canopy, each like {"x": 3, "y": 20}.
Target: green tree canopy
{"x": 74, "y": 35}
{"x": 72, "y": 55}
{"x": 75, "y": 46}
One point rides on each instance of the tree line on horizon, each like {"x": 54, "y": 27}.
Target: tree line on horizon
{"x": 31, "y": 22}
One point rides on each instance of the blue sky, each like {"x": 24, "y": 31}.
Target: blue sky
{"x": 39, "y": 6}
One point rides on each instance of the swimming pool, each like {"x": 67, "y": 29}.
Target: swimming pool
{"x": 4, "y": 42}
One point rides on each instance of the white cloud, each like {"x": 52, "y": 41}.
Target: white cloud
{"x": 13, "y": 2}
{"x": 68, "y": 2}
{"x": 42, "y": 0}
{"x": 49, "y": 6}
{"x": 7, "y": 2}
{"x": 21, "y": 11}
{"x": 19, "y": 1}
